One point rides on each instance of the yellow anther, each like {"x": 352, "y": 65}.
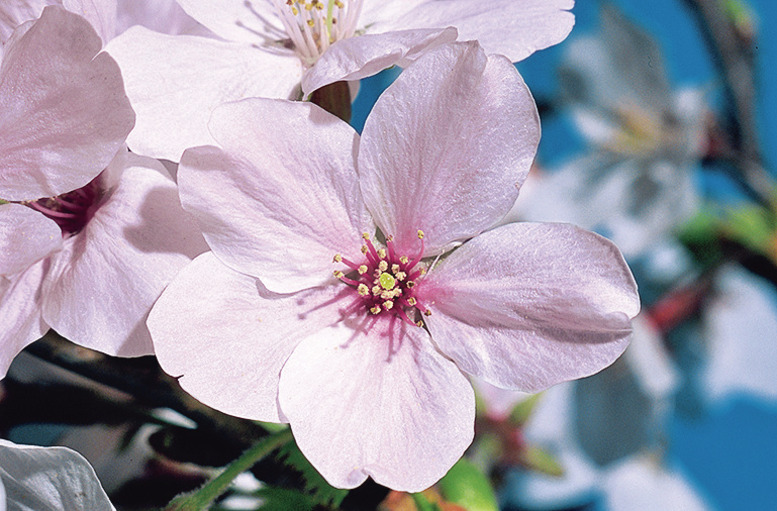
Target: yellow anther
{"x": 338, "y": 274}
{"x": 382, "y": 253}
{"x": 389, "y": 238}
{"x": 427, "y": 312}
{"x": 363, "y": 290}
{"x": 410, "y": 283}
{"x": 423, "y": 271}
{"x": 395, "y": 268}
{"x": 376, "y": 290}
{"x": 295, "y": 11}
{"x": 387, "y": 295}
{"x": 419, "y": 323}
{"x": 366, "y": 235}
{"x": 362, "y": 269}
{"x": 339, "y": 4}
{"x": 375, "y": 309}
{"x": 420, "y": 234}
{"x": 337, "y": 258}
{"x": 365, "y": 249}
{"x": 411, "y": 301}
{"x": 400, "y": 275}
{"x": 311, "y": 23}
{"x": 383, "y": 266}
{"x": 404, "y": 259}
{"x": 388, "y": 304}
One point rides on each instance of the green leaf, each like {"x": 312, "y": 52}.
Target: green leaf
{"x": 423, "y": 504}
{"x": 523, "y": 410}
{"x": 467, "y": 486}
{"x": 542, "y": 461}
{"x": 320, "y": 491}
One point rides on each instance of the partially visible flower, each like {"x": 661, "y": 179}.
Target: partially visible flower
{"x": 82, "y": 249}
{"x": 109, "y": 18}
{"x": 36, "y": 478}
{"x": 360, "y": 340}
{"x": 637, "y": 183}
{"x": 271, "y": 48}
{"x": 740, "y": 329}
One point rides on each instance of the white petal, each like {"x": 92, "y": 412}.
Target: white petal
{"x": 227, "y": 337}
{"x": 379, "y": 405}
{"x": 49, "y": 479}
{"x": 526, "y": 306}
{"x": 175, "y": 82}
{"x": 26, "y": 236}
{"x": 447, "y": 146}
{"x": 281, "y": 199}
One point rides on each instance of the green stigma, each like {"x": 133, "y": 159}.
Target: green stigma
{"x": 387, "y": 281}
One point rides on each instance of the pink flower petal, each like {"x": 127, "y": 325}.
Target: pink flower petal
{"x": 14, "y": 13}
{"x": 254, "y": 23}
{"x": 515, "y": 28}
{"x": 101, "y": 14}
{"x": 366, "y": 405}
{"x": 63, "y": 112}
{"x": 526, "y": 306}
{"x": 106, "y": 278}
{"x": 229, "y": 337}
{"x": 26, "y": 236}
{"x": 447, "y": 146}
{"x": 20, "y": 313}
{"x": 366, "y": 55}
{"x": 174, "y": 82}
{"x": 282, "y": 198}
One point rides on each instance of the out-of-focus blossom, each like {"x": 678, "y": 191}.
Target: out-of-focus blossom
{"x": 637, "y": 184}
{"x": 641, "y": 483}
{"x": 271, "y": 48}
{"x": 83, "y": 250}
{"x": 740, "y": 328}
{"x": 48, "y": 479}
{"x": 108, "y": 17}
{"x": 366, "y": 364}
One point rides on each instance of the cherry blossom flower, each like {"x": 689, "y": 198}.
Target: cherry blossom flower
{"x": 271, "y": 48}
{"x": 361, "y": 340}
{"x": 89, "y": 233}
{"x": 637, "y": 182}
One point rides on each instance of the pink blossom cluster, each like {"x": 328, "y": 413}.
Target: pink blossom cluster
{"x": 294, "y": 270}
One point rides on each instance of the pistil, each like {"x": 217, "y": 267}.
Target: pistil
{"x": 71, "y": 211}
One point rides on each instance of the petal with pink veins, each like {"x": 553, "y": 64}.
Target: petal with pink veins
{"x": 175, "y": 82}
{"x": 366, "y": 55}
{"x": 526, "y": 306}
{"x": 63, "y": 111}
{"x": 451, "y": 172}
{"x": 364, "y": 405}
{"x": 281, "y": 199}
{"x": 26, "y": 236}
{"x": 106, "y": 278}
{"x": 514, "y": 28}
{"x": 20, "y": 316}
{"x": 241, "y": 334}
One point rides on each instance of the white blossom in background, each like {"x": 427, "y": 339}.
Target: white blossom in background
{"x": 636, "y": 184}
{"x": 48, "y": 479}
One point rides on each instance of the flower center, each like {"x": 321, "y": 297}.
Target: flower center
{"x": 71, "y": 210}
{"x": 385, "y": 282}
{"x": 314, "y": 25}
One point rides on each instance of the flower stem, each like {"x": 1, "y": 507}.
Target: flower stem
{"x": 422, "y": 504}
{"x": 201, "y": 499}
{"x": 335, "y": 98}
